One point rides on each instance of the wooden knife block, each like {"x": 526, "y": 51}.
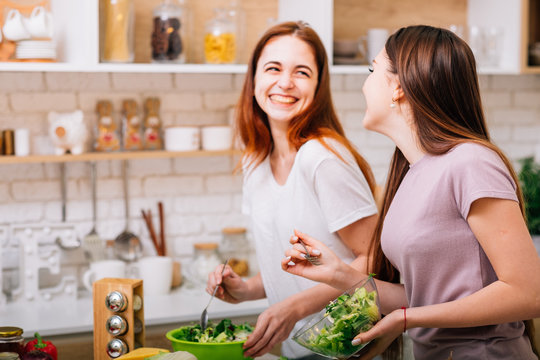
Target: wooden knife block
{"x": 129, "y": 288}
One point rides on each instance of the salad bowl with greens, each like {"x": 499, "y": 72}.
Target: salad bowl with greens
{"x": 330, "y": 332}
{"x": 222, "y": 341}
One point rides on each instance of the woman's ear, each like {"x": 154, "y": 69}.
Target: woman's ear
{"x": 398, "y": 93}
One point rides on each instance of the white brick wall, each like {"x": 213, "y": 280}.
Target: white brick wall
{"x": 200, "y": 195}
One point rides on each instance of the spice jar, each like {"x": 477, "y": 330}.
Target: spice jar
{"x": 205, "y": 261}
{"x": 11, "y": 342}
{"x": 220, "y": 39}
{"x": 235, "y": 247}
{"x": 168, "y": 34}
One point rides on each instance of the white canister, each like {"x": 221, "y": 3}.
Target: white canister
{"x": 182, "y": 138}
{"x": 216, "y": 138}
{"x": 22, "y": 142}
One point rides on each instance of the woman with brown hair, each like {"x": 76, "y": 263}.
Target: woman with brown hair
{"x": 451, "y": 224}
{"x": 299, "y": 171}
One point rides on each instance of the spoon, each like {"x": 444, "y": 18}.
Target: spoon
{"x": 204, "y": 315}
{"x": 127, "y": 245}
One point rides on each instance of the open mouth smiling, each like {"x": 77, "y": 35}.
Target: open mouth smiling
{"x": 283, "y": 99}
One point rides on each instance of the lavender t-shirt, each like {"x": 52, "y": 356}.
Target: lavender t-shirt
{"x": 427, "y": 238}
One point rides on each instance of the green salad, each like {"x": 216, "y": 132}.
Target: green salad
{"x": 346, "y": 317}
{"x": 225, "y": 331}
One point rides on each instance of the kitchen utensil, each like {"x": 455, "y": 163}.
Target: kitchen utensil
{"x": 312, "y": 259}
{"x": 147, "y": 216}
{"x": 127, "y": 246}
{"x": 227, "y": 350}
{"x": 162, "y": 229}
{"x": 61, "y": 242}
{"x": 204, "y": 315}
{"x": 92, "y": 243}
{"x": 324, "y": 334}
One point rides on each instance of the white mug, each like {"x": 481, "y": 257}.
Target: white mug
{"x": 104, "y": 269}
{"x": 156, "y": 274}
{"x": 376, "y": 39}
{"x": 182, "y": 138}
{"x": 14, "y": 28}
{"x": 216, "y": 138}
{"x": 39, "y": 24}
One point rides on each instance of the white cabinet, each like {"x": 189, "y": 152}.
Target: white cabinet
{"x": 77, "y": 31}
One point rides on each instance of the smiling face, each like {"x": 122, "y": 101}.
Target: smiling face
{"x": 285, "y": 79}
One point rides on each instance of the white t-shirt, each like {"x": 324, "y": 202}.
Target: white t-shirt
{"x": 322, "y": 194}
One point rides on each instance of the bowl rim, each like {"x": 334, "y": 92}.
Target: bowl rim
{"x": 169, "y": 335}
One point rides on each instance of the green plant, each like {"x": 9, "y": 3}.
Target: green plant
{"x": 529, "y": 178}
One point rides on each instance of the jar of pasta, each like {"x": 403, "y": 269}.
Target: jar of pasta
{"x": 220, "y": 40}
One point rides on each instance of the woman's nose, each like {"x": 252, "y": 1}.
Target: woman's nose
{"x": 285, "y": 81}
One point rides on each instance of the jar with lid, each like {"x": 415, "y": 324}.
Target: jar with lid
{"x": 206, "y": 259}
{"x": 118, "y": 29}
{"x": 220, "y": 39}
{"x": 11, "y": 342}
{"x": 235, "y": 246}
{"x": 169, "y": 32}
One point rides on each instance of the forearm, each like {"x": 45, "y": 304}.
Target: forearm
{"x": 391, "y": 296}
{"x": 495, "y": 304}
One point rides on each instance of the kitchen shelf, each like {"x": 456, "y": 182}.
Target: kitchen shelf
{"x": 125, "y": 155}
{"x": 77, "y": 22}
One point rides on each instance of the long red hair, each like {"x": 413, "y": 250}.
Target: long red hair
{"x": 318, "y": 121}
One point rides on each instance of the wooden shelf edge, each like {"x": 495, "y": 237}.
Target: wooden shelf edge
{"x": 94, "y": 156}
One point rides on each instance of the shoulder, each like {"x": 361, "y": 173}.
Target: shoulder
{"x": 470, "y": 153}
{"x": 314, "y": 151}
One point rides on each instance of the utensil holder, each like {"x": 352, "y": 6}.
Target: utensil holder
{"x": 115, "y": 297}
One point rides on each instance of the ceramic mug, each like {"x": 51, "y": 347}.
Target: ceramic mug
{"x": 14, "y": 28}
{"x": 39, "y": 24}
{"x": 156, "y": 273}
{"x": 216, "y": 138}
{"x": 376, "y": 39}
{"x": 182, "y": 138}
{"x": 103, "y": 269}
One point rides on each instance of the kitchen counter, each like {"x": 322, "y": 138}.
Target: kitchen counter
{"x": 70, "y": 317}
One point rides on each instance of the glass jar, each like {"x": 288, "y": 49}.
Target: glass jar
{"x": 220, "y": 38}
{"x": 169, "y": 33}
{"x": 118, "y": 29}
{"x": 11, "y": 342}
{"x": 235, "y": 247}
{"x": 206, "y": 259}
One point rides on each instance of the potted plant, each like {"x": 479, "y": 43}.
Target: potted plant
{"x": 529, "y": 177}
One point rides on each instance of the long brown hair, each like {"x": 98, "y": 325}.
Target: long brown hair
{"x": 319, "y": 120}
{"x": 437, "y": 72}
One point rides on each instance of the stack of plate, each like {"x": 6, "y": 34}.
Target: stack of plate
{"x": 35, "y": 49}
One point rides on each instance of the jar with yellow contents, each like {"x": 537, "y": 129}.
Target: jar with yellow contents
{"x": 220, "y": 39}
{"x": 235, "y": 246}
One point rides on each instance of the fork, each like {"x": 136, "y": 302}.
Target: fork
{"x": 312, "y": 259}
{"x": 204, "y": 315}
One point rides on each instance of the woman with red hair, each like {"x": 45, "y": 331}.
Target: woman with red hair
{"x": 299, "y": 171}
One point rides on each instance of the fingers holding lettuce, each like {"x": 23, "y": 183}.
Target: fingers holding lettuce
{"x": 330, "y": 269}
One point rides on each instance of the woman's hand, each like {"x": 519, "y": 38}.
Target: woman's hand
{"x": 331, "y": 271}
{"x": 232, "y": 288}
{"x": 273, "y": 327}
{"x": 382, "y": 334}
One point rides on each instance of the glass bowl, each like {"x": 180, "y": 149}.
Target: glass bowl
{"x": 330, "y": 332}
